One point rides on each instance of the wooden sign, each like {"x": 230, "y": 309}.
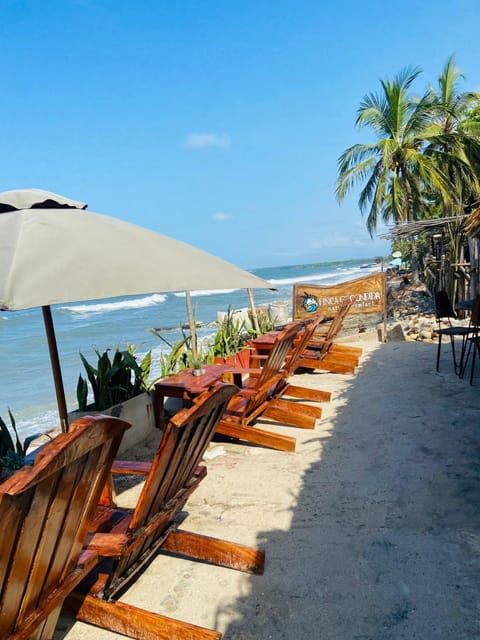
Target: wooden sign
{"x": 367, "y": 293}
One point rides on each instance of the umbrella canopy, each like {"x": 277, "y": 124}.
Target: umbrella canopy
{"x": 52, "y": 251}
{"x": 50, "y": 256}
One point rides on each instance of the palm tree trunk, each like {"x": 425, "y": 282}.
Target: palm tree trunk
{"x": 414, "y": 260}
{"x": 410, "y": 217}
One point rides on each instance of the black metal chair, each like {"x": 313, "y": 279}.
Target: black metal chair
{"x": 473, "y": 340}
{"x": 445, "y": 311}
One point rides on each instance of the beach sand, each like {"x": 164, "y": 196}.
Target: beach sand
{"x": 371, "y": 529}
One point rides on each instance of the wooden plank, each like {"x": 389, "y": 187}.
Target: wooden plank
{"x": 87, "y": 562}
{"x": 12, "y": 513}
{"x": 135, "y": 623}
{"x": 218, "y": 552}
{"x": 305, "y": 393}
{"x": 24, "y": 558}
{"x": 327, "y": 364}
{"x": 49, "y": 565}
{"x": 78, "y": 479}
{"x": 256, "y": 436}
{"x": 131, "y": 467}
{"x": 155, "y": 478}
{"x": 294, "y": 415}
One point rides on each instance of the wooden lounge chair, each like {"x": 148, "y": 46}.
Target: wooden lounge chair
{"x": 262, "y": 346}
{"x": 335, "y": 357}
{"x": 285, "y": 388}
{"x": 45, "y": 513}
{"x": 256, "y": 399}
{"x": 325, "y": 354}
{"x": 128, "y": 539}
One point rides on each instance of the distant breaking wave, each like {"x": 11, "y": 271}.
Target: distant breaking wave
{"x": 120, "y": 305}
{"x": 206, "y": 292}
{"x": 342, "y": 274}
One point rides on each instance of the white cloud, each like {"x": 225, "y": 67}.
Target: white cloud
{"x": 221, "y": 217}
{"x": 202, "y": 140}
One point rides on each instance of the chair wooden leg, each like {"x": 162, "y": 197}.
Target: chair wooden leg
{"x": 256, "y": 436}
{"x": 304, "y": 393}
{"x": 472, "y": 370}
{"x": 439, "y": 347}
{"x": 215, "y": 551}
{"x": 327, "y": 364}
{"x": 134, "y": 622}
{"x": 292, "y": 414}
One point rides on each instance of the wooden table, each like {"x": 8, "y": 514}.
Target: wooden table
{"x": 186, "y": 386}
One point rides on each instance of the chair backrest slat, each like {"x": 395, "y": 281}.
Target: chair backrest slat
{"x": 277, "y": 357}
{"x": 55, "y": 556}
{"x": 273, "y": 368}
{"x": 334, "y": 328}
{"x": 45, "y": 514}
{"x": 302, "y": 343}
{"x": 183, "y": 444}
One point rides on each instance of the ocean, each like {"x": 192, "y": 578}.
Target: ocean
{"x": 26, "y": 381}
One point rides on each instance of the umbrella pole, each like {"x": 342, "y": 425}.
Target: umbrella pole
{"x": 254, "y": 311}
{"x": 57, "y": 373}
{"x": 192, "y": 324}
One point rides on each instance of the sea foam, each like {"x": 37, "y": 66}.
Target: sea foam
{"x": 105, "y": 307}
{"x": 206, "y": 292}
{"x": 341, "y": 274}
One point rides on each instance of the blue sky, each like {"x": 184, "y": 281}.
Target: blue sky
{"x": 216, "y": 122}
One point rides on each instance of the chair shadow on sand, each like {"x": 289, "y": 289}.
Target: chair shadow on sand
{"x": 372, "y": 531}
{"x": 384, "y": 532}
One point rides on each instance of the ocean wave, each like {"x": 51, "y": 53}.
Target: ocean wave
{"x": 205, "y": 292}
{"x": 329, "y": 277}
{"x": 103, "y": 307}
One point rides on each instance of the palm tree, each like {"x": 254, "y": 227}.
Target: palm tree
{"x": 394, "y": 169}
{"x": 455, "y": 137}
{"x": 455, "y": 146}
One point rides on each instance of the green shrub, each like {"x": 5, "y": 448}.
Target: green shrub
{"x": 12, "y": 454}
{"x": 231, "y": 336}
{"x": 113, "y": 381}
{"x": 180, "y": 356}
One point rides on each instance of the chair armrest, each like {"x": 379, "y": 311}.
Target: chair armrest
{"x": 255, "y": 360}
{"x": 247, "y": 392}
{"x": 88, "y": 558}
{"x": 131, "y": 467}
{"x": 250, "y": 370}
{"x": 237, "y": 372}
{"x": 108, "y": 544}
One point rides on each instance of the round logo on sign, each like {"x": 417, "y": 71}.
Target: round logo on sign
{"x": 310, "y": 303}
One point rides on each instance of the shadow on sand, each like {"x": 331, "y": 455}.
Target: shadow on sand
{"x": 384, "y": 537}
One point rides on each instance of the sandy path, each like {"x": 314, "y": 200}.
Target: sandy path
{"x": 372, "y": 528}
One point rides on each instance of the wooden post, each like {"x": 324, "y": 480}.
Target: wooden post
{"x": 192, "y": 324}
{"x": 254, "y": 311}
{"x": 57, "y": 373}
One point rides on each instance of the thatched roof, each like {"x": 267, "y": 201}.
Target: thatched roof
{"x": 430, "y": 226}
{"x": 472, "y": 225}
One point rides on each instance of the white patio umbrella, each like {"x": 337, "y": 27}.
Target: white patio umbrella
{"x": 52, "y": 251}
